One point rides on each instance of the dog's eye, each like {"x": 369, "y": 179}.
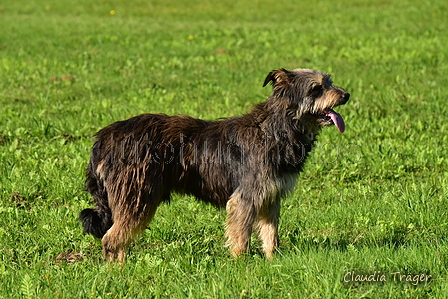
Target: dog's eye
{"x": 316, "y": 91}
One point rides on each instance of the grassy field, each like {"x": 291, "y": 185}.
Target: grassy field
{"x": 371, "y": 201}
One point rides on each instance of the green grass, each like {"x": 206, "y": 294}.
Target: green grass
{"x": 372, "y": 199}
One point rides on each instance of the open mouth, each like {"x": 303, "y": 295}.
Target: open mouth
{"x": 331, "y": 117}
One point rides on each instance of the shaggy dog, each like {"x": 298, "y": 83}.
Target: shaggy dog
{"x": 245, "y": 164}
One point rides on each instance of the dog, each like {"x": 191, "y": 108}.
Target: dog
{"x": 244, "y": 164}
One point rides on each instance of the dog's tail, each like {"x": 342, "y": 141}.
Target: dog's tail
{"x": 95, "y": 222}
{"x": 98, "y": 220}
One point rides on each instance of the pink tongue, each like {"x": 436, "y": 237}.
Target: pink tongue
{"x": 337, "y": 120}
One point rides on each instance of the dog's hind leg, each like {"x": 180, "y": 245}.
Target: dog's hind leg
{"x": 241, "y": 214}
{"x": 268, "y": 227}
{"x": 129, "y": 221}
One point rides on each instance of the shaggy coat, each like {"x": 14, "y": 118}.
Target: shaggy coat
{"x": 245, "y": 164}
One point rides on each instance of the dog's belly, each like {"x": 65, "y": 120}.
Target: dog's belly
{"x": 214, "y": 184}
{"x": 217, "y": 183}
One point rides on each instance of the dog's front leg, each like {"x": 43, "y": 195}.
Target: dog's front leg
{"x": 241, "y": 214}
{"x": 268, "y": 227}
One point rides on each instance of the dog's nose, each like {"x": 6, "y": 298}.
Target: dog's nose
{"x": 345, "y": 97}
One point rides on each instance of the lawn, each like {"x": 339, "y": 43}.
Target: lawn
{"x": 372, "y": 203}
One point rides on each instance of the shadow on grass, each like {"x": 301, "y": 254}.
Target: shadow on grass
{"x": 399, "y": 237}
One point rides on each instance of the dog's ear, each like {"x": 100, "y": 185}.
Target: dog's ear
{"x": 277, "y": 77}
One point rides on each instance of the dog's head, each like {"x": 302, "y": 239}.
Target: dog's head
{"x": 308, "y": 95}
